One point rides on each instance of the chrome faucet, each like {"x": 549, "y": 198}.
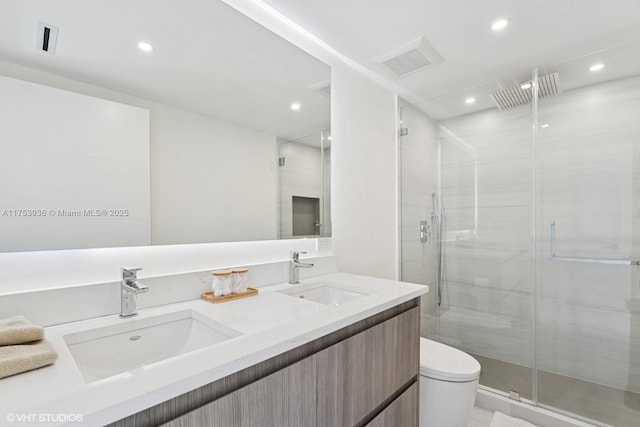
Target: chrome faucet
{"x": 294, "y": 264}
{"x": 129, "y": 290}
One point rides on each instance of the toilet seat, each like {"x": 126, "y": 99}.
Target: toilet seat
{"x": 441, "y": 362}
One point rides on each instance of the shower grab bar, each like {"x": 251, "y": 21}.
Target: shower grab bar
{"x": 553, "y": 257}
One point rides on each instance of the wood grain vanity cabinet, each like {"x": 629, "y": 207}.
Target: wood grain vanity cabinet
{"x": 401, "y": 412}
{"x": 284, "y": 398}
{"x": 359, "y": 374}
{"x": 363, "y": 374}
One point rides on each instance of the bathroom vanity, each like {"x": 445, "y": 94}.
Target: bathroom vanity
{"x": 338, "y": 349}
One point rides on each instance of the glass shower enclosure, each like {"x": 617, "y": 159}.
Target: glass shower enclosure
{"x": 522, "y": 212}
{"x": 304, "y": 186}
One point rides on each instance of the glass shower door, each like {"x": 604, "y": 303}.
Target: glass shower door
{"x": 588, "y": 222}
{"x": 525, "y": 222}
{"x": 486, "y": 281}
{"x": 467, "y": 173}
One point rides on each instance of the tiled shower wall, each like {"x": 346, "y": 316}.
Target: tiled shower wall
{"x": 326, "y": 224}
{"x": 589, "y": 182}
{"x": 486, "y": 200}
{"x": 418, "y": 182}
{"x": 587, "y": 177}
{"x": 301, "y": 175}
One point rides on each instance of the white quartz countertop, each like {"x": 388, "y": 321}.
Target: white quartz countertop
{"x": 271, "y": 323}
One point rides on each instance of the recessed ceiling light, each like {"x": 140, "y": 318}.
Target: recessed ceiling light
{"x": 596, "y": 67}
{"x": 500, "y": 24}
{"x": 525, "y": 86}
{"x": 144, "y": 46}
{"x": 544, "y": 125}
{"x": 329, "y": 138}
{"x": 295, "y": 106}
{"x": 470, "y": 100}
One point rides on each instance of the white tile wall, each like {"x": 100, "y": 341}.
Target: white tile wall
{"x": 418, "y": 182}
{"x": 588, "y": 181}
{"x": 588, "y": 177}
{"x": 300, "y": 176}
{"x": 486, "y": 288}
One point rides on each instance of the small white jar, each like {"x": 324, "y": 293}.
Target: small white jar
{"x": 221, "y": 284}
{"x": 240, "y": 280}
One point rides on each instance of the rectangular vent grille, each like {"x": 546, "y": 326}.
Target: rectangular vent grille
{"x": 514, "y": 96}
{"x": 407, "y": 62}
{"x": 47, "y": 38}
{"x": 412, "y": 56}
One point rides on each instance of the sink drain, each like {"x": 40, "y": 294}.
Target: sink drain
{"x": 135, "y": 338}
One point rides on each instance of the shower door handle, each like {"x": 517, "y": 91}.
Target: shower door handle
{"x": 554, "y": 257}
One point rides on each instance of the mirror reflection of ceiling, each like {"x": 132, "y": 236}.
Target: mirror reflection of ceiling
{"x": 207, "y": 58}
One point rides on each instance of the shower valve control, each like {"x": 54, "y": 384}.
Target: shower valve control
{"x": 425, "y": 233}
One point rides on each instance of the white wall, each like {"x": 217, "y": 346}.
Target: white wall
{"x": 75, "y": 170}
{"x": 364, "y": 175}
{"x": 363, "y": 182}
{"x": 29, "y": 271}
{"x": 211, "y": 181}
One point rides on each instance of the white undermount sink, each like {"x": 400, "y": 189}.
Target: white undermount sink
{"x": 121, "y": 347}
{"x": 327, "y": 293}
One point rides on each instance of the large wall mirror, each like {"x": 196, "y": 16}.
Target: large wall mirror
{"x": 215, "y": 130}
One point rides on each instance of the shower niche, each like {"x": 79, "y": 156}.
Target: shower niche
{"x": 305, "y": 215}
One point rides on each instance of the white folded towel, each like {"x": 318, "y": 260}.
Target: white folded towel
{"x": 18, "y": 330}
{"x": 15, "y": 359}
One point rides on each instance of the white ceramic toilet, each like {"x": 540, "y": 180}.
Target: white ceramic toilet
{"x": 448, "y": 383}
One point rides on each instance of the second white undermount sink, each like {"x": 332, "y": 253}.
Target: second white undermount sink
{"x": 327, "y": 293}
{"x": 103, "y": 352}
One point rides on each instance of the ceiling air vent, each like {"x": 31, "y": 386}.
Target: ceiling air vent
{"x": 410, "y": 57}
{"x": 521, "y": 93}
{"x": 47, "y": 38}
{"x": 324, "y": 87}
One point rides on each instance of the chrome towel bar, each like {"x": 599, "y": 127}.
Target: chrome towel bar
{"x": 553, "y": 257}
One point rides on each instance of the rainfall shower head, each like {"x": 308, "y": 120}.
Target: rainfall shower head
{"x": 521, "y": 94}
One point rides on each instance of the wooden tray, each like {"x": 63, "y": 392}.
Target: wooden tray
{"x": 208, "y": 296}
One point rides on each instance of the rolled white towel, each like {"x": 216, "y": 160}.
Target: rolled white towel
{"x": 18, "y": 330}
{"x": 15, "y": 359}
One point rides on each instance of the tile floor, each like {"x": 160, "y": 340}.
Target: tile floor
{"x": 601, "y": 403}
{"x": 480, "y": 417}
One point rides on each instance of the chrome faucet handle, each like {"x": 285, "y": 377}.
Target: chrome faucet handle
{"x": 129, "y": 274}
{"x": 137, "y": 287}
{"x": 295, "y": 256}
{"x": 129, "y": 290}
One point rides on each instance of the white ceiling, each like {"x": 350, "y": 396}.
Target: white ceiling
{"x": 213, "y": 60}
{"x": 208, "y": 58}
{"x": 542, "y": 33}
